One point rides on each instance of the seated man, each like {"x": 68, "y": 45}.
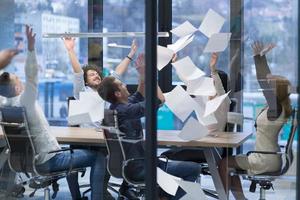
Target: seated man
{"x": 130, "y": 111}
{"x": 26, "y": 96}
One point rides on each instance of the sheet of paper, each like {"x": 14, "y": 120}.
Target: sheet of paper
{"x": 212, "y": 23}
{"x": 187, "y": 70}
{"x": 193, "y": 130}
{"x": 93, "y": 104}
{"x": 167, "y": 182}
{"x": 164, "y": 56}
{"x": 213, "y": 105}
{"x": 180, "y": 102}
{"x": 181, "y": 43}
{"x": 77, "y": 113}
{"x": 193, "y": 190}
{"x": 199, "y": 110}
{"x": 218, "y": 42}
{"x": 203, "y": 86}
{"x": 184, "y": 29}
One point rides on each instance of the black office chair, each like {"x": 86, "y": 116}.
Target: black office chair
{"x": 117, "y": 163}
{"x": 265, "y": 180}
{"x": 22, "y": 154}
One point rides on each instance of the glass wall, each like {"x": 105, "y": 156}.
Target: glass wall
{"x": 55, "y": 69}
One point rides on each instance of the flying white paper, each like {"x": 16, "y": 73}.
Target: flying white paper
{"x": 181, "y": 43}
{"x": 187, "y": 70}
{"x": 164, "y": 55}
{"x": 202, "y": 86}
{"x": 218, "y": 42}
{"x": 167, "y": 182}
{"x": 212, "y": 23}
{"x": 200, "y": 108}
{"x": 193, "y": 190}
{"x": 184, "y": 29}
{"x": 193, "y": 130}
{"x": 213, "y": 105}
{"x": 88, "y": 109}
{"x": 180, "y": 102}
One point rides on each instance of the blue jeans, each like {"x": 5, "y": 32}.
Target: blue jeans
{"x": 81, "y": 159}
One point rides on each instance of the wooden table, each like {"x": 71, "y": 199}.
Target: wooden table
{"x": 166, "y": 138}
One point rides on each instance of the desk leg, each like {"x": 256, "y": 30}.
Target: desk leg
{"x": 212, "y": 158}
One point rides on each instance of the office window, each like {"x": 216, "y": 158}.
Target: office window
{"x": 122, "y": 16}
{"x": 55, "y": 72}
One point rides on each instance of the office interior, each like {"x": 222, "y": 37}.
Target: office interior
{"x": 246, "y": 21}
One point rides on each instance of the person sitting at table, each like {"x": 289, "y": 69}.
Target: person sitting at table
{"x": 276, "y": 90}
{"x": 130, "y": 109}
{"x": 87, "y": 79}
{"x": 220, "y": 79}
{"x": 26, "y": 96}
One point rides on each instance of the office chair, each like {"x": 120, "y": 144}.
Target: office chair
{"x": 265, "y": 180}
{"x": 22, "y": 154}
{"x": 117, "y": 163}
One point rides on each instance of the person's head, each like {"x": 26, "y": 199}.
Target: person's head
{"x": 113, "y": 90}
{"x": 10, "y": 85}
{"x": 282, "y": 90}
{"x": 92, "y": 76}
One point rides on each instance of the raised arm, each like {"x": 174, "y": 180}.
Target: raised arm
{"x": 70, "y": 44}
{"x": 262, "y": 71}
{"x": 123, "y": 66}
{"x": 30, "y": 93}
{"x": 214, "y": 73}
{"x": 6, "y": 56}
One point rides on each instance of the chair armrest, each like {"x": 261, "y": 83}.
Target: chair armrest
{"x": 61, "y": 150}
{"x": 17, "y": 125}
{"x": 266, "y": 152}
{"x": 111, "y": 129}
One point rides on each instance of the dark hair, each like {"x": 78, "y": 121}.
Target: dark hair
{"x": 6, "y": 86}
{"x": 224, "y": 79}
{"x": 86, "y": 68}
{"x": 107, "y": 89}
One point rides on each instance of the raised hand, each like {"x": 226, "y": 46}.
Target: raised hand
{"x": 6, "y": 56}
{"x": 140, "y": 65}
{"x": 260, "y": 49}
{"x": 133, "y": 48}
{"x": 213, "y": 62}
{"x": 69, "y": 43}
{"x": 30, "y": 38}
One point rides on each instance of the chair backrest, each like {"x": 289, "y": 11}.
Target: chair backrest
{"x": 116, "y": 155}
{"x": 19, "y": 142}
{"x": 289, "y": 146}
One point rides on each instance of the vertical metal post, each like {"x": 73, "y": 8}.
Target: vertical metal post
{"x": 151, "y": 89}
{"x": 164, "y": 25}
{"x": 236, "y": 55}
{"x": 298, "y": 106}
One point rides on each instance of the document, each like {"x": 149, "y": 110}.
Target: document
{"x": 193, "y": 190}
{"x": 212, "y": 23}
{"x": 218, "y": 42}
{"x": 164, "y": 56}
{"x": 202, "y": 86}
{"x": 184, "y": 29}
{"x": 180, "y": 102}
{"x": 213, "y": 105}
{"x": 187, "y": 70}
{"x": 200, "y": 109}
{"x": 193, "y": 130}
{"x": 88, "y": 109}
{"x": 167, "y": 182}
{"x": 181, "y": 43}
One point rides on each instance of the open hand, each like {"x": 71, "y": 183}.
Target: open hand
{"x": 133, "y": 48}
{"x": 69, "y": 43}
{"x": 140, "y": 65}
{"x": 213, "y": 62}
{"x": 30, "y": 38}
{"x": 260, "y": 49}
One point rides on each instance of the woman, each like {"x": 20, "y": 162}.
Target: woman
{"x": 276, "y": 90}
